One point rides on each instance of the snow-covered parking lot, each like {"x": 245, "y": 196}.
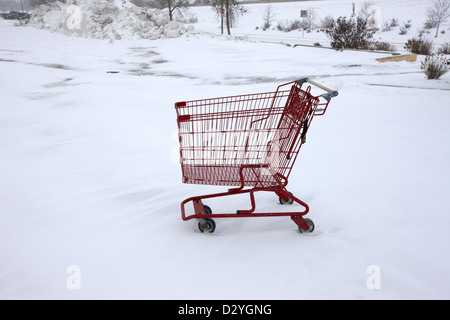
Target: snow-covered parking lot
{"x": 90, "y": 180}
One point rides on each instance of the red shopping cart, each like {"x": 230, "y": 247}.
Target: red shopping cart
{"x": 248, "y": 141}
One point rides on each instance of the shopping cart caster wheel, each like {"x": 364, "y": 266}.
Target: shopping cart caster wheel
{"x": 310, "y": 224}
{"x": 207, "y": 209}
{"x": 207, "y": 225}
{"x": 289, "y": 201}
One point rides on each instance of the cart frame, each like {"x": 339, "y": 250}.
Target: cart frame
{"x": 243, "y": 124}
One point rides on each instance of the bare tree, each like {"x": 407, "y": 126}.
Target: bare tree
{"x": 365, "y": 10}
{"x": 370, "y": 12}
{"x": 438, "y": 13}
{"x": 170, "y": 5}
{"x": 268, "y": 16}
{"x": 232, "y": 11}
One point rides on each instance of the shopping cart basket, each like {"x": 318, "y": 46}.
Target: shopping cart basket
{"x": 247, "y": 141}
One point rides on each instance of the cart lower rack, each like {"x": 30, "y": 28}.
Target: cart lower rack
{"x": 249, "y": 142}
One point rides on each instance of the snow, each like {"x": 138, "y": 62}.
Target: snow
{"x": 89, "y": 175}
{"x": 105, "y": 19}
{"x": 403, "y": 10}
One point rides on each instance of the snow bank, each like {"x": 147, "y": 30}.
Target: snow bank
{"x": 105, "y": 19}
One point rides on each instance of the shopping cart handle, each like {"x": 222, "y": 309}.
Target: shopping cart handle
{"x": 327, "y": 96}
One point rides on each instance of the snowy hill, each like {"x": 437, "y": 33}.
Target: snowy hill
{"x": 90, "y": 182}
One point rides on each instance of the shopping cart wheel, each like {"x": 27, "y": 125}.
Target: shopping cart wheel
{"x": 207, "y": 209}
{"x": 289, "y": 201}
{"x": 310, "y": 224}
{"x": 207, "y": 225}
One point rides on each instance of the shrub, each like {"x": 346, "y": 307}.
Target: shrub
{"x": 444, "y": 49}
{"x": 389, "y": 24}
{"x": 291, "y": 25}
{"x": 295, "y": 25}
{"x": 434, "y": 66}
{"x": 352, "y": 33}
{"x": 327, "y": 23}
{"x": 394, "y": 22}
{"x": 384, "y": 46}
{"x": 405, "y": 28}
{"x": 280, "y": 25}
{"x": 430, "y": 23}
{"x": 386, "y": 26}
{"x": 419, "y": 46}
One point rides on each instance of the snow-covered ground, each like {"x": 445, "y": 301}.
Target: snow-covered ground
{"x": 90, "y": 187}
{"x": 251, "y": 24}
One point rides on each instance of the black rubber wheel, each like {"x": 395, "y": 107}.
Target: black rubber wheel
{"x": 207, "y": 209}
{"x": 207, "y": 225}
{"x": 289, "y": 201}
{"x": 310, "y": 223}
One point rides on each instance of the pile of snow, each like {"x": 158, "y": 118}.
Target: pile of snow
{"x": 105, "y": 19}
